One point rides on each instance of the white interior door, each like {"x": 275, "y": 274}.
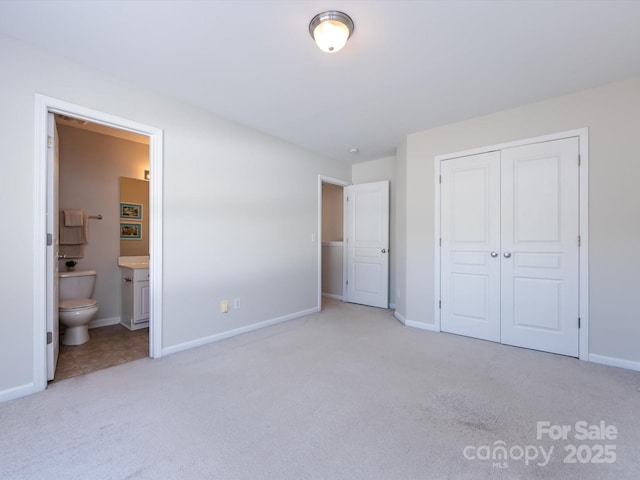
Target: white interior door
{"x": 52, "y": 249}
{"x": 540, "y": 246}
{"x": 470, "y": 261}
{"x": 367, "y": 238}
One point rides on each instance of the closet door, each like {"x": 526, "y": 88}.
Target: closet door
{"x": 470, "y": 252}
{"x": 539, "y": 258}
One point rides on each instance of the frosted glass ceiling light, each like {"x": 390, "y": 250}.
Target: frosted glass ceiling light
{"x": 331, "y": 30}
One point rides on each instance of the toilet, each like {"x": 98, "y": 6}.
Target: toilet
{"x": 76, "y": 308}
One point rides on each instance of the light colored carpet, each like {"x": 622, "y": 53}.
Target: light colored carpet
{"x": 348, "y": 393}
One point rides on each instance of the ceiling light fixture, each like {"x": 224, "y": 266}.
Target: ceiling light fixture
{"x": 331, "y": 30}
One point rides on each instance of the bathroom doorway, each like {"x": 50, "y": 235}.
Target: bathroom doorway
{"x": 87, "y": 124}
{"x": 100, "y": 169}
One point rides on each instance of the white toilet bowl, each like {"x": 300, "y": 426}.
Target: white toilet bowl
{"x": 75, "y": 315}
{"x": 76, "y": 308}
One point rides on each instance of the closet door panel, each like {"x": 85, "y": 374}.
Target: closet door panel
{"x": 539, "y": 262}
{"x": 470, "y": 226}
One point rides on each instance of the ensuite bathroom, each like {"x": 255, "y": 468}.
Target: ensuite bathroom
{"x": 103, "y": 251}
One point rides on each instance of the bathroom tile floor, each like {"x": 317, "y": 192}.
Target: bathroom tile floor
{"x": 107, "y": 346}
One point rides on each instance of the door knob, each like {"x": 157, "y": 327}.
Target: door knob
{"x": 507, "y": 254}
{"x": 494, "y": 254}
{"x": 384, "y": 250}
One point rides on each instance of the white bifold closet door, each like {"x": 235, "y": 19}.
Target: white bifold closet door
{"x": 509, "y": 254}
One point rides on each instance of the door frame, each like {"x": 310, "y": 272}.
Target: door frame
{"x": 583, "y": 218}
{"x": 43, "y": 106}
{"x": 335, "y": 181}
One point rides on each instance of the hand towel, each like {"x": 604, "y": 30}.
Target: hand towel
{"x": 73, "y": 218}
{"x": 73, "y": 235}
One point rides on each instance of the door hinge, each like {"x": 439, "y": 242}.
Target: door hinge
{"x": 579, "y": 160}
{"x": 49, "y": 141}
{"x": 440, "y": 241}
{"x": 347, "y": 198}
{"x": 440, "y": 179}
{"x": 49, "y": 338}
{"x": 579, "y": 241}
{"x": 578, "y": 322}
{"x": 347, "y": 282}
{"x": 439, "y": 303}
{"x": 49, "y": 239}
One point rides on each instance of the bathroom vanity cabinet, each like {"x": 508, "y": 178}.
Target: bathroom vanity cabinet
{"x": 134, "y": 284}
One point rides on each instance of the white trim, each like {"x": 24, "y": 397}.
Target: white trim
{"x": 232, "y": 333}
{"x": 516, "y": 143}
{"x": 583, "y": 142}
{"x": 17, "y": 392}
{"x": 436, "y": 245}
{"x": 332, "y": 295}
{"x": 422, "y": 326}
{"x": 583, "y": 262}
{"x": 614, "y": 362}
{"x": 43, "y": 106}
{"x": 335, "y": 181}
{"x": 104, "y": 322}
{"x": 400, "y": 318}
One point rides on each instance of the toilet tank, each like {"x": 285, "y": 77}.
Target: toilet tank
{"x": 76, "y": 285}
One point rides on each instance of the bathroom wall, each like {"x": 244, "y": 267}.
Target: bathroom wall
{"x": 133, "y": 190}
{"x": 91, "y": 165}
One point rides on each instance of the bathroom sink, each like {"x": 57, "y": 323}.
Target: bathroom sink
{"x": 134, "y": 262}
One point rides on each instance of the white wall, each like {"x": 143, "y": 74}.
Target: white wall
{"x": 612, "y": 114}
{"x": 91, "y": 165}
{"x": 376, "y": 171}
{"x": 239, "y": 209}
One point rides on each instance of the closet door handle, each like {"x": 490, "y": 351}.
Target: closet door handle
{"x": 494, "y": 254}
{"x": 507, "y": 254}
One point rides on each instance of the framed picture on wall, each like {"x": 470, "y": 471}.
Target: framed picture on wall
{"x": 130, "y": 231}
{"x": 130, "y": 211}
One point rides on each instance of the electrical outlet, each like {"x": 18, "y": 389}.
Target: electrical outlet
{"x": 224, "y": 306}
{"x": 236, "y": 303}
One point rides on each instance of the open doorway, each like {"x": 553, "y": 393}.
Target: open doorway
{"x": 103, "y": 172}
{"x": 46, "y": 254}
{"x": 353, "y": 226}
{"x": 332, "y": 241}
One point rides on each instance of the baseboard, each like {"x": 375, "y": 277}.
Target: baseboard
{"x": 412, "y": 324}
{"x": 104, "y": 322}
{"x": 422, "y": 326}
{"x": 615, "y": 362}
{"x": 400, "y": 318}
{"x": 17, "y": 392}
{"x": 332, "y": 295}
{"x": 238, "y": 331}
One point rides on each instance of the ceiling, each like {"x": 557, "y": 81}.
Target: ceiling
{"x": 409, "y": 66}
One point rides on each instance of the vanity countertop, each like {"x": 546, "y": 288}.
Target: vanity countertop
{"x": 134, "y": 262}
